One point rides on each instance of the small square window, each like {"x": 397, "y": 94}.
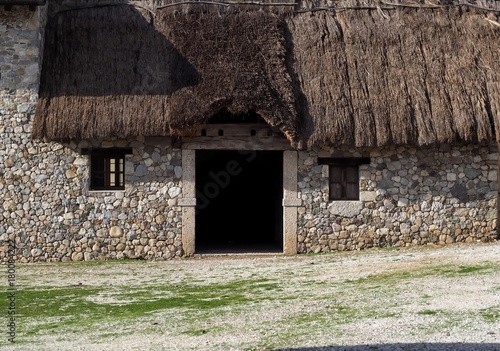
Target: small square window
{"x": 343, "y": 177}
{"x": 107, "y": 169}
{"x": 344, "y": 184}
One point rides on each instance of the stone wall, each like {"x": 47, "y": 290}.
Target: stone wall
{"x": 45, "y": 203}
{"x": 20, "y": 49}
{"x": 408, "y": 196}
{"x": 52, "y": 215}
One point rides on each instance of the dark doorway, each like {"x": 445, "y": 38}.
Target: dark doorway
{"x": 239, "y": 201}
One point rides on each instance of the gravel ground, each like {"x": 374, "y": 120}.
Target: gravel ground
{"x": 422, "y": 298}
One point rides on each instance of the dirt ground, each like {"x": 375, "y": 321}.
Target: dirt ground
{"x": 420, "y": 298}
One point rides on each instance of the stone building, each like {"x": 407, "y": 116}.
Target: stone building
{"x": 153, "y": 130}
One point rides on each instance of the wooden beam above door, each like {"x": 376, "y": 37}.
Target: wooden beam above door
{"x": 236, "y": 137}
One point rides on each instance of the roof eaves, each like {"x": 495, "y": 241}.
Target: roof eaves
{"x": 22, "y": 2}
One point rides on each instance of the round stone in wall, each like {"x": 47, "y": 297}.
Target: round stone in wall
{"x": 9, "y": 163}
{"x": 116, "y": 232}
{"x": 77, "y": 256}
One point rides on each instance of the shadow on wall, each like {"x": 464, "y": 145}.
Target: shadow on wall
{"x": 406, "y": 347}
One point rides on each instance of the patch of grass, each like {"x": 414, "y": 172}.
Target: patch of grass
{"x": 472, "y": 269}
{"x": 491, "y": 314}
{"x": 454, "y": 271}
{"x": 380, "y": 279}
{"x": 445, "y": 271}
{"x": 61, "y": 309}
{"x": 428, "y": 312}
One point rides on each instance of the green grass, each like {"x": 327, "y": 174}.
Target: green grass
{"x": 194, "y": 307}
{"x": 473, "y": 269}
{"x": 442, "y": 271}
{"x": 490, "y": 315}
{"x": 84, "y": 307}
{"x": 428, "y": 312}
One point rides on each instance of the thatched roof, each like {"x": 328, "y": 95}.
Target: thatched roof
{"x": 22, "y": 2}
{"x": 375, "y": 76}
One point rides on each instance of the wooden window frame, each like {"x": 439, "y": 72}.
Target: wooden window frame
{"x": 107, "y": 168}
{"x": 339, "y": 169}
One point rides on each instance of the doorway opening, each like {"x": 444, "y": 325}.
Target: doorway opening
{"x": 238, "y": 201}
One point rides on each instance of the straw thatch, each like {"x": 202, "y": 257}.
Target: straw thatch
{"x": 22, "y": 2}
{"x": 363, "y": 77}
{"x": 112, "y": 71}
{"x": 399, "y": 77}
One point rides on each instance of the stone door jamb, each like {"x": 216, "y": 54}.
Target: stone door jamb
{"x": 290, "y": 201}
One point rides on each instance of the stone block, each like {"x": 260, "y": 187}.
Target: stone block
{"x": 174, "y": 192}
{"x": 345, "y": 208}
{"x": 77, "y": 256}
{"x": 451, "y": 177}
{"x": 9, "y": 162}
{"x": 493, "y": 176}
{"x": 367, "y": 196}
{"x": 115, "y": 232}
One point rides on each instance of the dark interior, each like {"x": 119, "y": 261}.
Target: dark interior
{"x": 239, "y": 201}
{"x": 224, "y": 116}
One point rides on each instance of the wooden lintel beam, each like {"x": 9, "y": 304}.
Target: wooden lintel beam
{"x": 239, "y": 130}
{"x": 235, "y": 143}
